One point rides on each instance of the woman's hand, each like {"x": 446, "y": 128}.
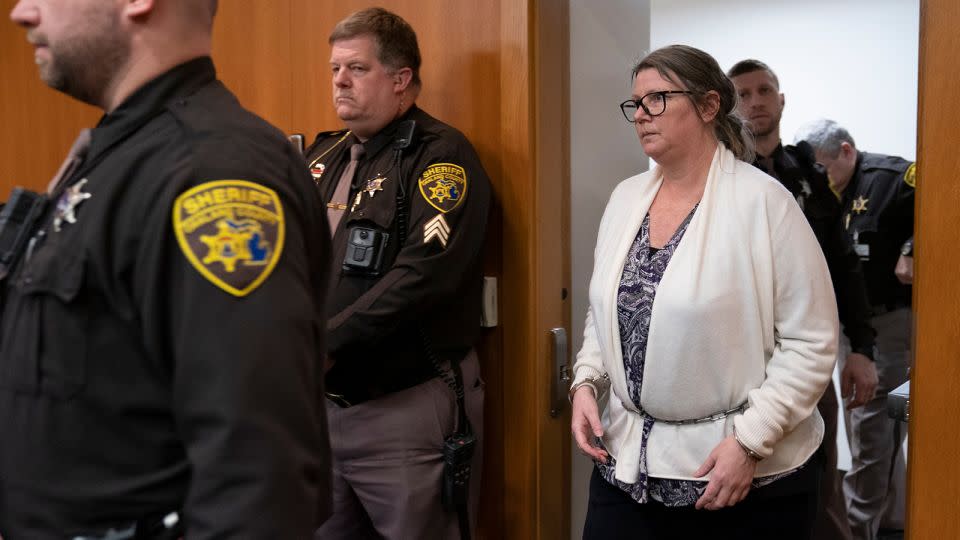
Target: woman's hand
{"x": 585, "y": 423}
{"x": 732, "y": 474}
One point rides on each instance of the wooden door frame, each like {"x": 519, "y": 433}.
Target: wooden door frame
{"x": 536, "y": 264}
{"x": 933, "y": 485}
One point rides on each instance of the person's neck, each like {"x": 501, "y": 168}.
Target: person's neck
{"x": 688, "y": 175}
{"x": 146, "y": 65}
{"x": 363, "y": 135}
{"x": 766, "y": 144}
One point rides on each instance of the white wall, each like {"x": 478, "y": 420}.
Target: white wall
{"x": 606, "y": 38}
{"x": 853, "y": 61}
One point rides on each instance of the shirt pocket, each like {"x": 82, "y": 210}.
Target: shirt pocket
{"x": 378, "y": 211}
{"x": 53, "y": 321}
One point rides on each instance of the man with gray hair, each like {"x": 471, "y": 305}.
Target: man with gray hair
{"x": 161, "y": 335}
{"x": 877, "y": 196}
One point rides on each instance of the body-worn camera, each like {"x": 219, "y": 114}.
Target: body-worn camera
{"x": 365, "y": 249}
{"x": 457, "y": 452}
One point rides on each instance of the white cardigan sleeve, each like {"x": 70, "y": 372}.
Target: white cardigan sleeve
{"x": 805, "y": 337}
{"x": 589, "y": 364}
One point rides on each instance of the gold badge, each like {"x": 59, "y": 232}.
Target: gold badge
{"x": 374, "y": 185}
{"x": 910, "y": 177}
{"x": 859, "y": 205}
{"x": 231, "y": 231}
{"x": 444, "y": 186}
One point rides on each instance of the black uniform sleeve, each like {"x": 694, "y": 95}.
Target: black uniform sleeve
{"x": 846, "y": 272}
{"x": 852, "y": 301}
{"x": 246, "y": 381}
{"x": 424, "y": 270}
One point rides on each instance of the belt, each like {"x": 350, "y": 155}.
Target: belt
{"x": 341, "y": 401}
{"x": 167, "y": 527}
{"x": 702, "y": 420}
{"x": 349, "y": 398}
{"x": 349, "y": 392}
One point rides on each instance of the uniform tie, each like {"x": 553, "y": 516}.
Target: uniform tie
{"x": 77, "y": 152}
{"x": 338, "y": 204}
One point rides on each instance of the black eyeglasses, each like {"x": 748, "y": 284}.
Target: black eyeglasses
{"x": 654, "y": 104}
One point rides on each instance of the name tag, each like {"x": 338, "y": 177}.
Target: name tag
{"x": 863, "y": 250}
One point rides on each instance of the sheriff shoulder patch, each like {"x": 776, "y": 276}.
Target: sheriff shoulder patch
{"x": 910, "y": 177}
{"x": 444, "y": 186}
{"x": 231, "y": 231}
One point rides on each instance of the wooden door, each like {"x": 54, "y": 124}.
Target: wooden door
{"x": 497, "y": 70}
{"x": 933, "y": 487}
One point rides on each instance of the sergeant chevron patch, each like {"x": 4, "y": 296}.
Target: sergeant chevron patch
{"x": 436, "y": 228}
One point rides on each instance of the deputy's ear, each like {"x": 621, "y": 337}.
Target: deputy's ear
{"x": 401, "y": 79}
{"x": 137, "y": 8}
{"x": 847, "y": 150}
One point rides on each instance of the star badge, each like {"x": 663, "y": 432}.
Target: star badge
{"x": 860, "y": 205}
{"x": 374, "y": 185}
{"x": 68, "y": 203}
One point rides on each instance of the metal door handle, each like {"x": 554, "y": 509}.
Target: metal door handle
{"x": 559, "y": 373}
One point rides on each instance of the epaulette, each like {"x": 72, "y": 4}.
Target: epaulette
{"x": 882, "y": 161}
{"x": 327, "y": 134}
{"x": 337, "y": 136}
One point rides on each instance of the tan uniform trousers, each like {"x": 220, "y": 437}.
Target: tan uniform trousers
{"x": 875, "y": 438}
{"x": 388, "y": 462}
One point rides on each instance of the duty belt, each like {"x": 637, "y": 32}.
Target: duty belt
{"x": 703, "y": 420}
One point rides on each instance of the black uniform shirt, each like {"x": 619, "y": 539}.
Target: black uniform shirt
{"x": 139, "y": 374}
{"x": 878, "y": 217}
{"x": 795, "y": 168}
{"x": 428, "y": 289}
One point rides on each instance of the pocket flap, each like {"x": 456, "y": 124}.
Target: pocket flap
{"x": 60, "y": 276}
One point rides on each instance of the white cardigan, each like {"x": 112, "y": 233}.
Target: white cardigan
{"x": 745, "y": 311}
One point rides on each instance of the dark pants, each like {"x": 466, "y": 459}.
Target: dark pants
{"x": 783, "y": 510}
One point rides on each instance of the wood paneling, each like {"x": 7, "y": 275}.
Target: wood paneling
{"x": 934, "y": 453}
{"x": 252, "y": 48}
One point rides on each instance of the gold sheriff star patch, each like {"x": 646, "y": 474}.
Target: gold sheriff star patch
{"x": 231, "y": 231}
{"x": 444, "y": 186}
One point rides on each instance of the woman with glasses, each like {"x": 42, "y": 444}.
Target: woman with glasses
{"x": 711, "y": 333}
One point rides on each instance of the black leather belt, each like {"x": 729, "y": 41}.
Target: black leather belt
{"x": 355, "y": 396}
{"x": 165, "y": 527}
{"x": 350, "y": 398}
